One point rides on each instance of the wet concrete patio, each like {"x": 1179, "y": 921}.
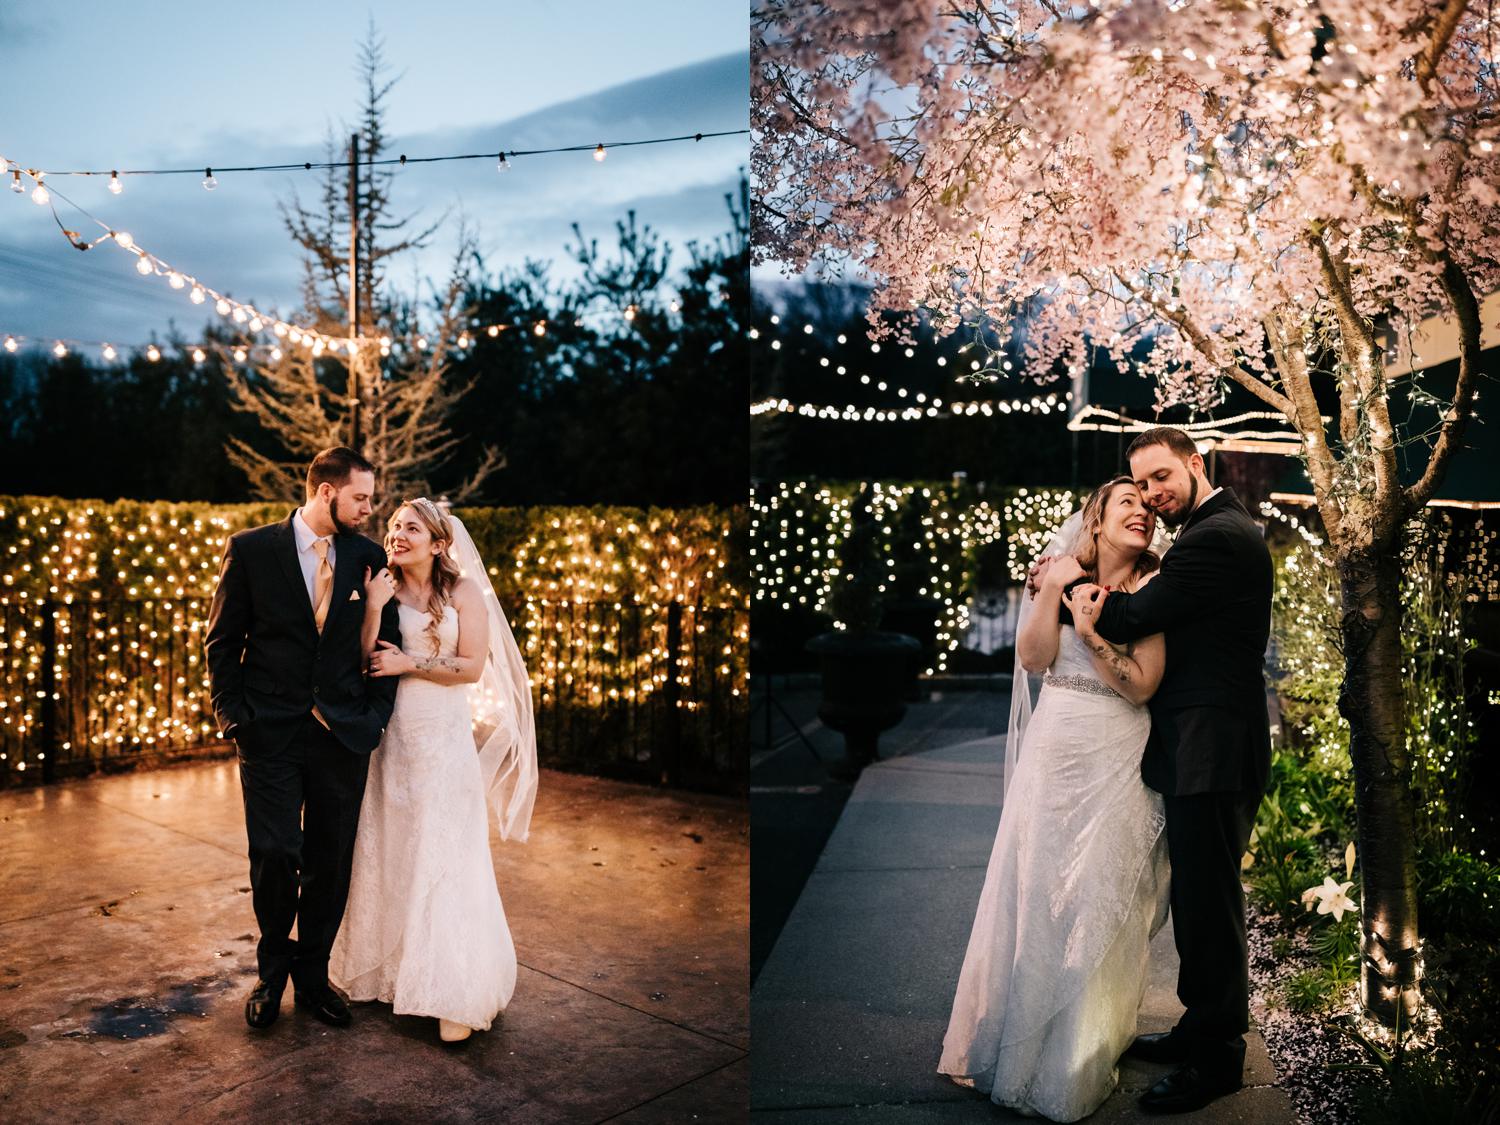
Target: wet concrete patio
{"x": 127, "y": 948}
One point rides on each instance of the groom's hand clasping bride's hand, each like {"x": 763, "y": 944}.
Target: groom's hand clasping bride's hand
{"x": 1037, "y": 575}
{"x": 1060, "y": 571}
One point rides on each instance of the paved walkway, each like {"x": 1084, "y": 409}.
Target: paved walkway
{"x": 127, "y": 948}
{"x": 852, "y": 1003}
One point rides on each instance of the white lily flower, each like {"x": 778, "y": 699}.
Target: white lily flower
{"x": 1332, "y": 898}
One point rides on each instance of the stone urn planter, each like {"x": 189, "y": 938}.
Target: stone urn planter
{"x": 915, "y": 616}
{"x": 865, "y": 676}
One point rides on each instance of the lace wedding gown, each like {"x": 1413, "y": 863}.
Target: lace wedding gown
{"x": 1077, "y": 884}
{"x": 424, "y": 929}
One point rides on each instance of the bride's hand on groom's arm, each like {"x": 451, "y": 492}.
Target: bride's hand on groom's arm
{"x": 379, "y": 588}
{"x": 1084, "y": 601}
{"x": 390, "y": 660}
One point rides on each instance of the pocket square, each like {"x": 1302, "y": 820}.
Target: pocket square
{"x": 354, "y": 595}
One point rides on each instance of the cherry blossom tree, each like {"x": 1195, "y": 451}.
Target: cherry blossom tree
{"x": 1270, "y": 192}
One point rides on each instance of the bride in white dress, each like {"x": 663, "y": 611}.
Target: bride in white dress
{"x": 1077, "y": 881}
{"x": 424, "y": 929}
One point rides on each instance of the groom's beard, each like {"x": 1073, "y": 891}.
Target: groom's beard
{"x": 342, "y": 527}
{"x": 1181, "y": 517}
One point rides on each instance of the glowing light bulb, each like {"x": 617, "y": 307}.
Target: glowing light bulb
{"x": 109, "y": 351}
{"x": 256, "y": 324}
{"x": 629, "y": 313}
{"x": 599, "y": 152}
{"x": 280, "y": 330}
{"x": 275, "y": 354}
{"x": 422, "y": 343}
{"x": 59, "y": 349}
{"x": 176, "y": 280}
{"x": 124, "y": 239}
{"x": 464, "y": 341}
{"x": 221, "y": 306}
{"x": 198, "y": 356}
{"x": 40, "y": 195}
{"x": 540, "y": 328}
{"x": 209, "y": 183}
{"x": 153, "y": 353}
{"x": 196, "y": 296}
{"x": 143, "y": 265}
{"x": 240, "y": 315}
{"x": 115, "y": 186}
{"x": 239, "y": 355}
{"x": 10, "y": 343}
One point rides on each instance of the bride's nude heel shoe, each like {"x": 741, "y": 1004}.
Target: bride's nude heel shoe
{"x": 450, "y": 1032}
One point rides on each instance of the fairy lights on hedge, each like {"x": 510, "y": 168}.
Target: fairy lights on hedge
{"x": 631, "y": 562}
{"x": 127, "y": 586}
{"x": 797, "y": 529}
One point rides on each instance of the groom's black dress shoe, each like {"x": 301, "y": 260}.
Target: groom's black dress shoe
{"x": 1158, "y": 1047}
{"x": 264, "y": 1003}
{"x": 324, "y": 1003}
{"x": 1185, "y": 1090}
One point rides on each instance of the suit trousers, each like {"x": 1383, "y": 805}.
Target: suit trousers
{"x": 1207, "y": 834}
{"x": 302, "y": 805}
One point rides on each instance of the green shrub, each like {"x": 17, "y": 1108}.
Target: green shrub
{"x": 1285, "y": 859}
{"x": 1458, "y": 895}
{"x": 1312, "y": 991}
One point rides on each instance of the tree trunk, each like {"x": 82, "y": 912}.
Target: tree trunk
{"x": 1373, "y": 702}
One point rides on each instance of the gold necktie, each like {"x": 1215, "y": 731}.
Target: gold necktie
{"x": 322, "y": 584}
{"x": 322, "y": 597}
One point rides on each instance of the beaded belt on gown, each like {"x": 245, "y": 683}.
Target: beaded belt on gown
{"x": 1086, "y": 684}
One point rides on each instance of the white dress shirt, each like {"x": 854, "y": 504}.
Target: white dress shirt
{"x": 306, "y": 556}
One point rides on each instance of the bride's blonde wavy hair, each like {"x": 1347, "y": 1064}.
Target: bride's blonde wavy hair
{"x": 1091, "y": 523}
{"x": 445, "y": 572}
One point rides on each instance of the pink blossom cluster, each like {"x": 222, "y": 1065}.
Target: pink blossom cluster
{"x": 1108, "y": 170}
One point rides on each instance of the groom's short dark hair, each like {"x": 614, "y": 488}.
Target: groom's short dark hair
{"x": 1170, "y": 436}
{"x": 333, "y": 466}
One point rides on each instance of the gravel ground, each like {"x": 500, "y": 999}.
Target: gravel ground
{"x": 1301, "y": 1046}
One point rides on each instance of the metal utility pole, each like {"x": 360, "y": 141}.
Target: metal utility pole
{"x": 353, "y": 290}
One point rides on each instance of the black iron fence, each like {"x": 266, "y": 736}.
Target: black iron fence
{"x": 649, "y": 692}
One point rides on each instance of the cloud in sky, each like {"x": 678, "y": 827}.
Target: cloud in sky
{"x": 233, "y": 238}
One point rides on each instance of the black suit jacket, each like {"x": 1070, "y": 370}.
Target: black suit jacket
{"x": 1210, "y": 731}
{"x": 267, "y": 662}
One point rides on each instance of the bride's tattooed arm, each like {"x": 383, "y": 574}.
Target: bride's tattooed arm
{"x": 1118, "y": 662}
{"x": 439, "y": 664}
{"x": 463, "y": 667}
{"x": 1134, "y": 671}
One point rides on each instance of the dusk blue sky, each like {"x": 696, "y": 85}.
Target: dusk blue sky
{"x": 173, "y": 84}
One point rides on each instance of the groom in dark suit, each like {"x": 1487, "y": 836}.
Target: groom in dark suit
{"x": 1209, "y": 753}
{"x": 286, "y": 671}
